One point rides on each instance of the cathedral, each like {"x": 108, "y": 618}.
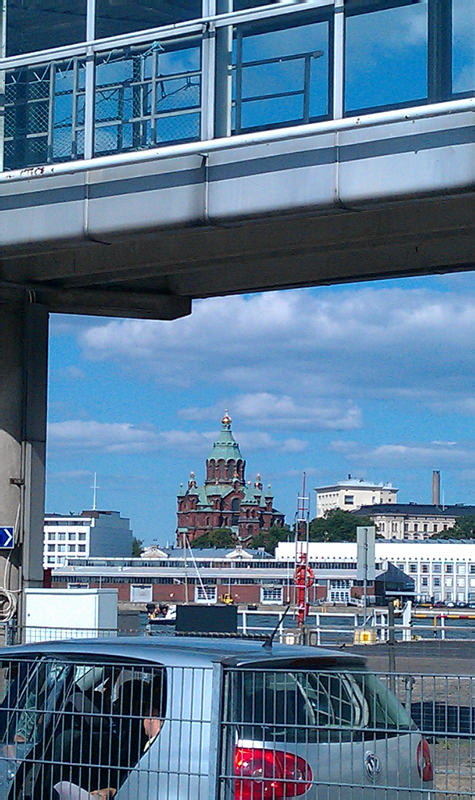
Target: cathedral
{"x": 226, "y": 500}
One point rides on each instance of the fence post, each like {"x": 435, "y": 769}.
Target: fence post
{"x": 216, "y": 733}
{"x": 391, "y": 645}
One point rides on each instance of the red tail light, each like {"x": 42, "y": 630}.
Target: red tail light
{"x": 263, "y": 774}
{"x": 424, "y": 761}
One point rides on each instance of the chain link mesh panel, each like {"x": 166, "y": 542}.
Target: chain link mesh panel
{"x": 44, "y": 114}
{"x": 148, "y": 96}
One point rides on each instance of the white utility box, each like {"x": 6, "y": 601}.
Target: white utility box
{"x": 68, "y": 613}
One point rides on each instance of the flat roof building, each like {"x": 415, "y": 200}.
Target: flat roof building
{"x": 413, "y": 521}
{"x": 353, "y": 493}
{"x": 442, "y": 569}
{"x": 89, "y": 534}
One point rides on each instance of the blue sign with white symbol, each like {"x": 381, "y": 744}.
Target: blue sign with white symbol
{"x": 6, "y": 537}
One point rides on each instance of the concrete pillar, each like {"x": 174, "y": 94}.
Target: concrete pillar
{"x": 23, "y": 384}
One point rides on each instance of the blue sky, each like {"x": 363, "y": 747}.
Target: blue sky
{"x": 374, "y": 379}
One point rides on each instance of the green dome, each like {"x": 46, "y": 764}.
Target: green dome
{"x": 226, "y": 446}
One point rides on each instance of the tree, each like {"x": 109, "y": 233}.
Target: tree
{"x": 337, "y": 526}
{"x": 271, "y": 538}
{"x": 137, "y": 547}
{"x": 464, "y": 528}
{"x": 220, "y": 537}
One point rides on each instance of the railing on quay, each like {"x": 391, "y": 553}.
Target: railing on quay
{"x": 321, "y": 628}
{"x": 339, "y": 627}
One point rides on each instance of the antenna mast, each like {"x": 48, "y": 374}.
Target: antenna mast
{"x": 94, "y": 492}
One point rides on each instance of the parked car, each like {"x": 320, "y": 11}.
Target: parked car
{"x": 174, "y": 717}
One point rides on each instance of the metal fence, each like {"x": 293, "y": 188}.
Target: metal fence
{"x": 137, "y": 729}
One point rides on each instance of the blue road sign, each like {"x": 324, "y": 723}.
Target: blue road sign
{"x": 6, "y": 537}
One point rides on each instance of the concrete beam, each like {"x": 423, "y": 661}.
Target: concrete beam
{"x": 114, "y": 303}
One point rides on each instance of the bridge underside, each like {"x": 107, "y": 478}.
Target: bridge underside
{"x": 152, "y": 274}
{"x": 146, "y": 237}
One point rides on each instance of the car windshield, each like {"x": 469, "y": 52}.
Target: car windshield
{"x": 310, "y": 706}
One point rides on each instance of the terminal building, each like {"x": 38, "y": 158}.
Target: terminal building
{"x": 441, "y": 571}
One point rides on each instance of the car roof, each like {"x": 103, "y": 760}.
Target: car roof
{"x": 181, "y": 650}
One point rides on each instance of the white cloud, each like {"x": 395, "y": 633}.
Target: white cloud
{"x": 294, "y": 446}
{"x": 125, "y": 438}
{"x": 75, "y": 373}
{"x": 307, "y": 351}
{"x": 282, "y": 411}
{"x": 419, "y": 454}
{"x": 108, "y": 437}
{"x": 268, "y": 410}
{"x": 455, "y": 405}
{"x": 402, "y": 455}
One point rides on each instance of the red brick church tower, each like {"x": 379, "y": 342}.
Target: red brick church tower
{"x": 225, "y": 500}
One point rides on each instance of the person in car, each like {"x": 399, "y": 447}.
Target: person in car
{"x": 137, "y": 721}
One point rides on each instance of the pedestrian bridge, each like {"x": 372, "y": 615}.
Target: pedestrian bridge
{"x": 234, "y": 147}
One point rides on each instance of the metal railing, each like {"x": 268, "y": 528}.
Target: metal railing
{"x": 189, "y": 730}
{"x": 331, "y": 628}
{"x": 144, "y": 90}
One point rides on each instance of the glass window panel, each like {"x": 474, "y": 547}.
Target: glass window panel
{"x": 183, "y": 60}
{"x": 42, "y": 24}
{"x": 386, "y": 57}
{"x": 463, "y": 43}
{"x": 242, "y": 5}
{"x": 275, "y": 111}
{"x": 106, "y": 139}
{"x": 284, "y": 69}
{"x": 114, "y": 18}
{"x": 270, "y": 79}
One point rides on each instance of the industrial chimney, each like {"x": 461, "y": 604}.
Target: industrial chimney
{"x": 436, "y": 487}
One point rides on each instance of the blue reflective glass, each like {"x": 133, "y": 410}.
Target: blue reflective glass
{"x": 178, "y": 94}
{"x": 43, "y": 24}
{"x": 280, "y": 75}
{"x": 463, "y": 44}
{"x": 273, "y": 111}
{"x": 114, "y": 18}
{"x": 386, "y": 57}
{"x": 178, "y": 61}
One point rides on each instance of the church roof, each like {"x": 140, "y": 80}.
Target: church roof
{"x": 225, "y": 446}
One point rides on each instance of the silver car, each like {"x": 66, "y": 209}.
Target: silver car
{"x": 174, "y": 717}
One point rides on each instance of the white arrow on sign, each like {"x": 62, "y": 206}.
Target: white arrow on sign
{"x": 6, "y": 537}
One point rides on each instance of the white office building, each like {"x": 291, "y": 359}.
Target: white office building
{"x": 89, "y": 534}
{"x": 442, "y": 569}
{"x": 353, "y": 493}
